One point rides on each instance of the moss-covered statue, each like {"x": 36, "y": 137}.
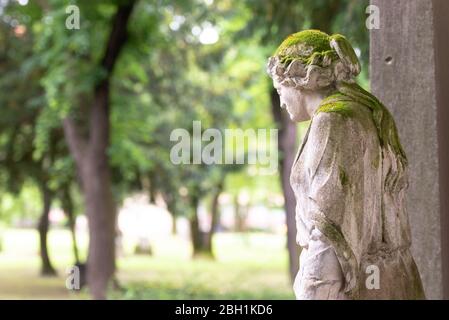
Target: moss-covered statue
{"x": 349, "y": 177}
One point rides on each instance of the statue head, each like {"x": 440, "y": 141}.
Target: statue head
{"x": 307, "y": 66}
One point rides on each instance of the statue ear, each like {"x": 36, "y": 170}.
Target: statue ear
{"x": 345, "y": 52}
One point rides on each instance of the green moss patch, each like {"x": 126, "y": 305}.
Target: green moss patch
{"x": 342, "y": 108}
{"x": 308, "y": 46}
{"x": 315, "y": 39}
{"x": 336, "y": 103}
{"x": 343, "y": 176}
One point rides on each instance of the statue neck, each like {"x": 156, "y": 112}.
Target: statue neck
{"x": 312, "y": 103}
{"x": 313, "y": 100}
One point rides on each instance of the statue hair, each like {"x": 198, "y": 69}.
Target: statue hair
{"x": 319, "y": 70}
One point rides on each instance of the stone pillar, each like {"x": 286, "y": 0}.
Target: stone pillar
{"x": 409, "y": 70}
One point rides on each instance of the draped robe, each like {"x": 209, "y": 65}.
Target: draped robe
{"x": 351, "y": 217}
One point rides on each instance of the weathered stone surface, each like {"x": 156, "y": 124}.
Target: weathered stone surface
{"x": 349, "y": 177}
{"x": 410, "y": 74}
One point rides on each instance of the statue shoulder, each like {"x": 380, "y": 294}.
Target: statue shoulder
{"x": 351, "y": 101}
{"x": 338, "y": 103}
{"x": 343, "y": 118}
{"x": 344, "y": 110}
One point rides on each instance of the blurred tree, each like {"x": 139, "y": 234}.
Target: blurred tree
{"x": 20, "y": 160}
{"x": 76, "y": 69}
{"x": 220, "y": 86}
{"x": 169, "y": 75}
{"x": 116, "y": 95}
{"x": 88, "y": 144}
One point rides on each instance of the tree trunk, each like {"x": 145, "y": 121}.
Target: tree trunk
{"x": 43, "y": 226}
{"x": 215, "y": 219}
{"x": 100, "y": 207}
{"x": 240, "y": 215}
{"x": 174, "y": 228}
{"x": 152, "y": 187}
{"x": 237, "y": 214}
{"x": 170, "y": 201}
{"x": 93, "y": 165}
{"x": 287, "y": 151}
{"x": 200, "y": 248}
{"x": 67, "y": 207}
{"x": 195, "y": 227}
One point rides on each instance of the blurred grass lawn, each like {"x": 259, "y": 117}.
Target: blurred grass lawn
{"x": 248, "y": 266}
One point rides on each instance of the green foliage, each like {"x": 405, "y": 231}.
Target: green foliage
{"x": 25, "y": 205}
{"x": 168, "y": 75}
{"x": 165, "y": 78}
{"x": 185, "y": 60}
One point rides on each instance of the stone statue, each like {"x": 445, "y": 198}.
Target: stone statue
{"x": 349, "y": 177}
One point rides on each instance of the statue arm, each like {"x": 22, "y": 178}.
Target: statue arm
{"x": 320, "y": 276}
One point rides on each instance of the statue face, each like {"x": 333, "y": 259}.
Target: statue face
{"x": 294, "y": 101}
